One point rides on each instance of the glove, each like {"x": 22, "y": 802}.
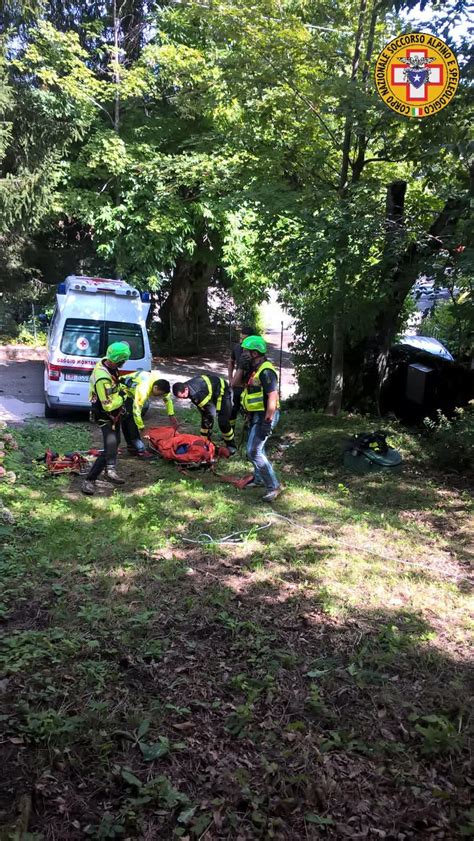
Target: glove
{"x": 266, "y": 428}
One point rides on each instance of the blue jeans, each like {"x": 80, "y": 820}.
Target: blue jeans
{"x": 263, "y": 470}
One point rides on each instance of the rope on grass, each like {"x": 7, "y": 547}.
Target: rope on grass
{"x": 241, "y": 536}
{"x": 233, "y": 538}
{"x": 204, "y": 539}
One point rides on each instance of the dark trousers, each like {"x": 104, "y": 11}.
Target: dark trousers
{"x": 111, "y": 438}
{"x": 130, "y": 430}
{"x": 223, "y": 418}
{"x": 129, "y": 427}
{"x": 237, "y": 397}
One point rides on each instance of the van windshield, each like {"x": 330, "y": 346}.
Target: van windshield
{"x": 88, "y": 338}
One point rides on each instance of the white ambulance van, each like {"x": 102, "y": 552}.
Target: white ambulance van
{"x": 90, "y": 314}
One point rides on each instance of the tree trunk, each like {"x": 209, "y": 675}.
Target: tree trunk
{"x": 337, "y": 367}
{"x": 116, "y": 122}
{"x": 184, "y": 314}
{"x": 346, "y": 144}
{"x": 387, "y": 321}
{"x": 116, "y": 69}
{"x": 402, "y": 272}
{"x": 334, "y": 404}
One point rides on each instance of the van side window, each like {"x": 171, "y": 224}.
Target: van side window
{"x": 81, "y": 337}
{"x": 131, "y": 333}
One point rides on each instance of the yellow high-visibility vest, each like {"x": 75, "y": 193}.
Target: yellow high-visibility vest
{"x": 104, "y": 388}
{"x": 139, "y": 386}
{"x": 252, "y": 395}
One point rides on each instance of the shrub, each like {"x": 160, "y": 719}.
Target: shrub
{"x": 452, "y": 323}
{"x": 249, "y": 314}
{"x": 8, "y": 325}
{"x": 26, "y": 336}
{"x": 451, "y": 440}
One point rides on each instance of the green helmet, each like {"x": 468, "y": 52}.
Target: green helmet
{"x": 118, "y": 352}
{"x": 255, "y": 343}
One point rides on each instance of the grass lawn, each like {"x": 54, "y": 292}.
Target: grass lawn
{"x": 310, "y": 681}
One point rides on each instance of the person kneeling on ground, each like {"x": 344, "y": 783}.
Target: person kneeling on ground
{"x": 211, "y": 395}
{"x": 260, "y": 401}
{"x": 138, "y": 389}
{"x": 107, "y": 409}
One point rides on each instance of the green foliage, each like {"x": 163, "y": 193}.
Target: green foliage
{"x": 8, "y": 327}
{"x": 28, "y": 336}
{"x": 39, "y": 126}
{"x": 50, "y": 726}
{"x": 25, "y": 648}
{"x": 34, "y": 437}
{"x": 6, "y": 98}
{"x": 452, "y": 323}
{"x": 321, "y": 240}
{"x": 212, "y": 140}
{"x": 437, "y": 733}
{"x": 451, "y": 440}
{"x": 249, "y": 314}
{"x": 319, "y": 821}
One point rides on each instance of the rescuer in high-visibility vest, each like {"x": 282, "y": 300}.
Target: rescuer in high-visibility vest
{"x": 238, "y": 367}
{"x": 108, "y": 409}
{"x": 138, "y": 389}
{"x": 260, "y": 401}
{"x": 212, "y": 396}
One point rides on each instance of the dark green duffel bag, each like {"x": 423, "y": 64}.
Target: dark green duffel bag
{"x": 370, "y": 453}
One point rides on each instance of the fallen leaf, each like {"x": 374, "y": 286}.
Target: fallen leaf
{"x": 186, "y": 815}
{"x": 130, "y": 778}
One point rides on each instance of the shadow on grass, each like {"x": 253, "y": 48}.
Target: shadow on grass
{"x": 417, "y": 501}
{"x": 156, "y": 688}
{"x": 266, "y": 715}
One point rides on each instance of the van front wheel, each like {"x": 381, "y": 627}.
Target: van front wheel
{"x": 49, "y": 412}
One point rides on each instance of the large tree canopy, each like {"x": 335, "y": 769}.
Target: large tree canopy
{"x": 242, "y": 142}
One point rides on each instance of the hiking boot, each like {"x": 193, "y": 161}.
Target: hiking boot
{"x": 112, "y": 476}
{"x": 271, "y": 495}
{"x": 254, "y": 483}
{"x": 88, "y": 488}
{"x": 144, "y": 454}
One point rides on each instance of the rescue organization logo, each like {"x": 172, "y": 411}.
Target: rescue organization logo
{"x": 417, "y": 74}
